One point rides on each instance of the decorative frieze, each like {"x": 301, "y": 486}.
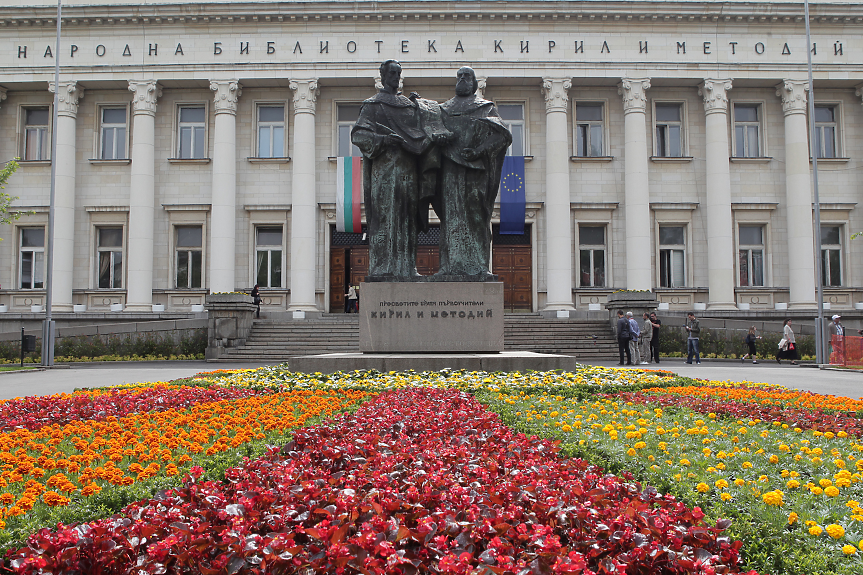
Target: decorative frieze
{"x": 228, "y": 93}
{"x": 556, "y": 92}
{"x": 633, "y": 92}
{"x": 793, "y": 94}
{"x": 68, "y": 98}
{"x": 715, "y": 94}
{"x": 145, "y": 93}
{"x": 305, "y": 95}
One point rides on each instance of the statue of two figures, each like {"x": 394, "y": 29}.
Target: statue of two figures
{"x": 416, "y": 153}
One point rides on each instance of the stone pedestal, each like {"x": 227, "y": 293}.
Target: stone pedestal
{"x": 448, "y": 317}
{"x": 230, "y": 318}
{"x": 637, "y": 302}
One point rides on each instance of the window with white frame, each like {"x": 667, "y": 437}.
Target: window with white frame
{"x": 589, "y": 129}
{"x": 37, "y": 122}
{"x": 192, "y": 132}
{"x": 31, "y": 258}
{"x": 271, "y": 131}
{"x": 592, "y": 255}
{"x": 672, "y": 256}
{"x": 750, "y": 241}
{"x": 513, "y": 116}
{"x": 747, "y": 131}
{"x": 346, "y": 116}
{"x": 831, "y": 255}
{"x": 189, "y": 255}
{"x": 668, "y": 118}
{"x": 109, "y": 257}
{"x": 826, "y": 130}
{"x": 268, "y": 256}
{"x": 112, "y": 133}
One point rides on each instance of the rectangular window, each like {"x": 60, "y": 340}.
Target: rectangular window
{"x": 513, "y": 116}
{"x": 831, "y": 256}
{"x": 347, "y": 116}
{"x": 826, "y": 131}
{"x": 669, "y": 130}
{"x": 109, "y": 254}
{"x": 113, "y": 134}
{"x": 268, "y": 256}
{"x": 591, "y": 247}
{"x": 36, "y": 130}
{"x": 189, "y": 247}
{"x": 750, "y": 241}
{"x": 589, "y": 129}
{"x": 747, "y": 131}
{"x": 31, "y": 258}
{"x": 192, "y": 132}
{"x": 271, "y": 131}
{"x": 672, "y": 256}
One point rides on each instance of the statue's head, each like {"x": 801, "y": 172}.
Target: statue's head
{"x": 391, "y": 73}
{"x": 466, "y": 83}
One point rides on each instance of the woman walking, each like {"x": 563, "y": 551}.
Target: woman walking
{"x": 788, "y": 345}
{"x": 750, "y": 341}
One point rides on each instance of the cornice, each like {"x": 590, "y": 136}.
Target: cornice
{"x": 279, "y": 13}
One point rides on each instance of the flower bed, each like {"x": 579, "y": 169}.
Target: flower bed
{"x": 414, "y": 481}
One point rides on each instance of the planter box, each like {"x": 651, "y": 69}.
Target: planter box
{"x": 4, "y": 308}
{"x": 116, "y": 307}
{"x": 79, "y": 307}
{"x": 699, "y": 306}
{"x": 158, "y": 307}
{"x": 197, "y": 308}
{"x": 781, "y": 306}
{"x": 35, "y": 308}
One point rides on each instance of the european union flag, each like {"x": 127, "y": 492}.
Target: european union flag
{"x": 512, "y": 196}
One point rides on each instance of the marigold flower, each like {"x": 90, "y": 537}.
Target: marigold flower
{"x": 815, "y": 530}
{"x": 773, "y": 498}
{"x": 702, "y": 487}
{"x": 831, "y": 491}
{"x": 792, "y": 518}
{"x": 849, "y": 549}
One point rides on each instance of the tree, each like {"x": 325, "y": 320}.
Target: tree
{"x": 7, "y": 217}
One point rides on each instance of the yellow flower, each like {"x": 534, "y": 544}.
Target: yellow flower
{"x": 835, "y": 531}
{"x": 831, "y": 491}
{"x": 773, "y": 498}
{"x": 792, "y": 518}
{"x": 721, "y": 484}
{"x": 815, "y": 530}
{"x": 739, "y": 482}
{"x": 631, "y": 452}
{"x": 825, "y": 482}
{"x": 726, "y": 496}
{"x": 684, "y": 462}
{"x": 816, "y": 491}
{"x": 774, "y": 459}
{"x": 849, "y": 549}
{"x": 793, "y": 484}
{"x": 702, "y": 487}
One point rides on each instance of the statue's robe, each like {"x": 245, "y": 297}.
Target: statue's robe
{"x": 467, "y": 188}
{"x": 391, "y": 183}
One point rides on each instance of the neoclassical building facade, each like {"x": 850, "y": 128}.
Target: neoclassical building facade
{"x": 666, "y": 147}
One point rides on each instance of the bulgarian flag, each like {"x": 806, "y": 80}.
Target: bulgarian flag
{"x": 349, "y": 194}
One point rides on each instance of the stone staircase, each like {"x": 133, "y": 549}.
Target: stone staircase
{"x": 274, "y": 341}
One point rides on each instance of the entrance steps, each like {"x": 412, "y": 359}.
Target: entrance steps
{"x": 274, "y": 340}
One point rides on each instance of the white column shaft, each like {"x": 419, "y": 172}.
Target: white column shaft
{"x": 64, "y": 215}
{"x": 139, "y": 293}
{"x": 223, "y": 236}
{"x": 303, "y": 214}
{"x": 720, "y": 229}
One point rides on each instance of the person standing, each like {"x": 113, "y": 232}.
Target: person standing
{"x": 623, "y": 337}
{"x": 750, "y": 341}
{"x": 788, "y": 347}
{"x": 693, "y": 328}
{"x": 646, "y": 338}
{"x": 635, "y": 332}
{"x": 256, "y": 298}
{"x": 837, "y": 333}
{"x": 654, "y": 340}
{"x": 352, "y": 299}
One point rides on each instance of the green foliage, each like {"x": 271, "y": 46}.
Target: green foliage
{"x": 728, "y": 343}
{"x": 6, "y": 216}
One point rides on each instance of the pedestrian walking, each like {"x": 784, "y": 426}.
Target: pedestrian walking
{"x": 654, "y": 340}
{"x": 256, "y": 299}
{"x": 352, "y": 299}
{"x": 787, "y": 345}
{"x": 837, "y": 334}
{"x": 693, "y": 328}
{"x": 623, "y": 336}
{"x": 646, "y": 338}
{"x": 749, "y": 340}
{"x": 633, "y": 342}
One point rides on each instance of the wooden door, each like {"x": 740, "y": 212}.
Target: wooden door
{"x": 428, "y": 260}
{"x": 338, "y": 258}
{"x": 512, "y": 264}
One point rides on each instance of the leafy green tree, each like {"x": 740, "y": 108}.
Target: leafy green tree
{"x": 7, "y": 217}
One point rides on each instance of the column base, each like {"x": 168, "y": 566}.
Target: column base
{"x": 806, "y": 305}
{"x": 139, "y": 307}
{"x": 721, "y": 306}
{"x": 559, "y": 306}
{"x": 61, "y": 308}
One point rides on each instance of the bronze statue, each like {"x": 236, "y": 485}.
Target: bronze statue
{"x": 468, "y": 185}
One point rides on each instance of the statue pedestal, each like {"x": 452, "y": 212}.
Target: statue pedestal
{"x": 433, "y": 317}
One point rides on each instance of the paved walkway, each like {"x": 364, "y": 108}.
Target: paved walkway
{"x": 58, "y": 380}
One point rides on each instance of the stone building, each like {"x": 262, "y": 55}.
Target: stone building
{"x": 665, "y": 145}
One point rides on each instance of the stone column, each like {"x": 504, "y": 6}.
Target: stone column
{"x": 139, "y": 260}
{"x": 720, "y": 227}
{"x": 223, "y": 217}
{"x": 303, "y": 196}
{"x": 558, "y": 224}
{"x": 636, "y": 208}
{"x": 64, "y": 196}
{"x": 798, "y": 195}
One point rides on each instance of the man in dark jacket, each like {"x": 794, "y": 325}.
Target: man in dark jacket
{"x": 623, "y": 337}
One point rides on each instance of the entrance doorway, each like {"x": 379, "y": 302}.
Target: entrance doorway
{"x": 511, "y": 261}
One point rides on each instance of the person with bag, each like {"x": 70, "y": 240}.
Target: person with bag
{"x": 623, "y": 337}
{"x": 787, "y": 345}
{"x": 750, "y": 341}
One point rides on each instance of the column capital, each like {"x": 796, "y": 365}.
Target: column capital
{"x": 70, "y": 93}
{"x": 793, "y": 94}
{"x": 632, "y": 90}
{"x": 556, "y": 92}
{"x": 481, "y": 83}
{"x": 713, "y": 91}
{"x": 305, "y": 95}
{"x": 145, "y": 93}
{"x": 228, "y": 92}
